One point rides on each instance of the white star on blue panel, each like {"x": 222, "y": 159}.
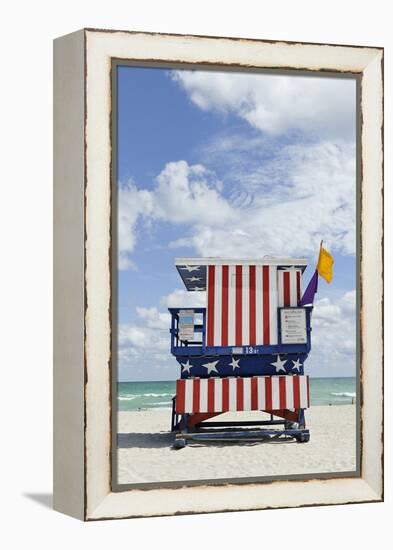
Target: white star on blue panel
{"x": 279, "y": 364}
{"x": 296, "y": 364}
{"x": 234, "y": 363}
{"x": 211, "y": 367}
{"x": 186, "y": 367}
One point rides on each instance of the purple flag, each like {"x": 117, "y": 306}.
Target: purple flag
{"x": 311, "y": 290}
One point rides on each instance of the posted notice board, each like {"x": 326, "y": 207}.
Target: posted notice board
{"x": 293, "y": 326}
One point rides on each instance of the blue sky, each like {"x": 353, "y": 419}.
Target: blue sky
{"x": 234, "y": 165}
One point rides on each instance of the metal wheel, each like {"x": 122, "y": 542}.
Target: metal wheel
{"x": 179, "y": 443}
{"x": 303, "y": 438}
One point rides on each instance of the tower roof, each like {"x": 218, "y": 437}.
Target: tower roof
{"x": 193, "y": 271}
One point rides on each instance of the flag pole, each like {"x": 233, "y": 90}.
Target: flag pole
{"x": 319, "y": 255}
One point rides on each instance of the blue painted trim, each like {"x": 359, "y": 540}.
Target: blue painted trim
{"x": 185, "y": 351}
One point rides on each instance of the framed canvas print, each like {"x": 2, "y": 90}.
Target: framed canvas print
{"x": 218, "y": 274}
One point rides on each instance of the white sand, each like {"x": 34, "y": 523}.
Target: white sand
{"x": 145, "y": 453}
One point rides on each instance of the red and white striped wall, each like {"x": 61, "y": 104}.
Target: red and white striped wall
{"x": 241, "y": 305}
{"x": 259, "y": 393}
{"x": 289, "y": 291}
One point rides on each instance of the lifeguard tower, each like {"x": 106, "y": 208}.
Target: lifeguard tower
{"x": 244, "y": 351}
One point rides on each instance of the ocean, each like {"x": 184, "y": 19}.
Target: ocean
{"x": 134, "y": 396}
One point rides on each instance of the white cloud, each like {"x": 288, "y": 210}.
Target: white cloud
{"x": 334, "y": 336}
{"x": 310, "y": 197}
{"x": 136, "y": 336}
{"x": 150, "y": 333}
{"x": 144, "y": 346}
{"x": 183, "y": 298}
{"x": 153, "y": 317}
{"x": 132, "y": 203}
{"x": 348, "y": 302}
{"x": 183, "y": 194}
{"x": 276, "y": 104}
{"x": 188, "y": 194}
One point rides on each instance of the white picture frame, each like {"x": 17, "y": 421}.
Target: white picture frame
{"x": 82, "y": 239}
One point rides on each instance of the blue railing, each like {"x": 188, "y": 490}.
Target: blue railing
{"x": 199, "y": 329}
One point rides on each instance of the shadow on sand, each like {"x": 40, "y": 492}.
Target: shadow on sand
{"x": 160, "y": 440}
{"x": 145, "y": 440}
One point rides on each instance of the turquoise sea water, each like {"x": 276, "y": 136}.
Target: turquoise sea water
{"x": 133, "y": 396}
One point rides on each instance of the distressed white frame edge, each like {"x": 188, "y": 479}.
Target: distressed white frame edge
{"x": 101, "y": 47}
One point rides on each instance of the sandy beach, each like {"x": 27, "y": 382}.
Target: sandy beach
{"x": 145, "y": 453}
